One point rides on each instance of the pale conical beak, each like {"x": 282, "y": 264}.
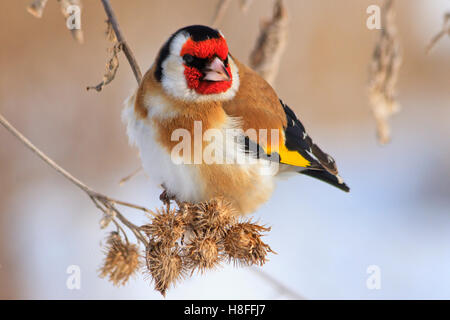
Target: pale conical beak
{"x": 216, "y": 71}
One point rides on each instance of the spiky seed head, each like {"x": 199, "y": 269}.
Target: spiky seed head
{"x": 164, "y": 264}
{"x": 166, "y": 226}
{"x": 203, "y": 252}
{"x": 243, "y": 244}
{"x": 122, "y": 260}
{"x": 212, "y": 216}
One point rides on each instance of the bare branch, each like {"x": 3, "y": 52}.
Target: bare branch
{"x": 124, "y": 45}
{"x": 266, "y": 55}
{"x": 281, "y": 288}
{"x": 111, "y": 68}
{"x": 129, "y": 176}
{"x": 95, "y": 196}
{"x": 43, "y": 156}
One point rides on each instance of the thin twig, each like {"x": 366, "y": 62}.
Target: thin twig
{"x": 122, "y": 203}
{"x": 125, "y": 47}
{"x": 101, "y": 201}
{"x": 281, "y": 288}
{"x": 43, "y": 156}
{"x": 131, "y": 175}
{"x": 445, "y": 31}
{"x": 135, "y": 229}
{"x": 111, "y": 68}
{"x": 119, "y": 228}
{"x": 96, "y": 197}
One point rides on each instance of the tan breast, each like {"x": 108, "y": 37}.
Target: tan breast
{"x": 240, "y": 184}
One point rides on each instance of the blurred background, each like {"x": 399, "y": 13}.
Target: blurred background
{"x": 397, "y": 215}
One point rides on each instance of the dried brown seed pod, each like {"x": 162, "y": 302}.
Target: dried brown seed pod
{"x": 112, "y": 65}
{"x": 164, "y": 264}
{"x": 213, "y": 216}
{"x": 243, "y": 244}
{"x": 122, "y": 260}
{"x": 203, "y": 252}
{"x": 166, "y": 226}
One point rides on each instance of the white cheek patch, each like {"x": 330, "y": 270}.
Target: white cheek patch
{"x": 174, "y": 82}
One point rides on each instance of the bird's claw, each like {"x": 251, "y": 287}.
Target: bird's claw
{"x": 165, "y": 197}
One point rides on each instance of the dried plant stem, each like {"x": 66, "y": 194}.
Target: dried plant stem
{"x": 384, "y": 71}
{"x": 281, "y": 288}
{"x": 445, "y": 31}
{"x": 43, "y": 156}
{"x": 124, "y": 45}
{"x": 131, "y": 175}
{"x": 111, "y": 67}
{"x": 101, "y": 201}
{"x": 96, "y": 197}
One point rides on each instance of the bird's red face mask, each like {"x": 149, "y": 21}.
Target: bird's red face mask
{"x": 206, "y": 65}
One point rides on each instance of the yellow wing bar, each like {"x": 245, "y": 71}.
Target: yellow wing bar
{"x": 287, "y": 156}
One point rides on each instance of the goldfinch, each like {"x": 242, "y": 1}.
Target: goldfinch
{"x": 196, "y": 92}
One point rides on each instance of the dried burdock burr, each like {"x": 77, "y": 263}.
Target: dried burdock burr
{"x": 122, "y": 260}
{"x": 197, "y": 237}
{"x": 243, "y": 244}
{"x": 213, "y": 216}
{"x": 166, "y": 226}
{"x": 203, "y": 252}
{"x": 164, "y": 264}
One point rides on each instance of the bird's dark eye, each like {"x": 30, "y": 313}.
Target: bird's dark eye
{"x": 188, "y": 59}
{"x": 194, "y": 62}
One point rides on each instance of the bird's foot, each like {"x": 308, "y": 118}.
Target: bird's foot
{"x": 166, "y": 197}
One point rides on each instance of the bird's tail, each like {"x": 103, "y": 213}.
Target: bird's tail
{"x": 327, "y": 177}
